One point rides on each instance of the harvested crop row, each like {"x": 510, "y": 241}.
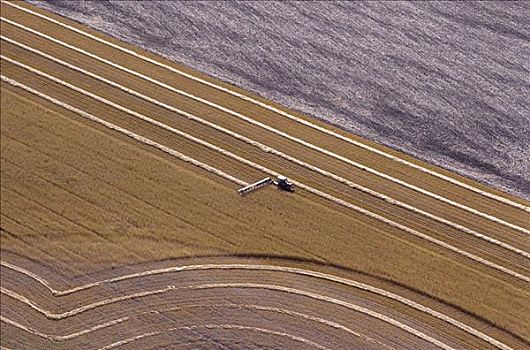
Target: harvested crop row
{"x": 139, "y": 285}
{"x": 413, "y": 221}
{"x": 62, "y": 173}
{"x": 102, "y": 43}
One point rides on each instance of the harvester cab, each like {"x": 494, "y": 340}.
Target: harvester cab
{"x": 284, "y": 184}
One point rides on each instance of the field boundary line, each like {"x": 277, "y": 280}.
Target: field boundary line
{"x": 246, "y": 119}
{"x": 275, "y": 174}
{"x": 261, "y": 146}
{"x": 273, "y": 287}
{"x": 274, "y": 268}
{"x": 278, "y": 111}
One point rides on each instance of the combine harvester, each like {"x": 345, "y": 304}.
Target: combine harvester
{"x": 282, "y": 182}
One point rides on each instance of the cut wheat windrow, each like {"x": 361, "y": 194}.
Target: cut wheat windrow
{"x": 95, "y": 194}
{"x": 267, "y": 149}
{"x": 258, "y": 268}
{"x": 62, "y": 338}
{"x": 125, "y": 295}
{"x": 350, "y": 184}
{"x": 287, "y": 290}
{"x": 274, "y": 173}
{"x": 272, "y": 108}
{"x": 326, "y": 152}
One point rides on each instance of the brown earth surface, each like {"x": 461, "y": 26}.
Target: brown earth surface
{"x": 80, "y": 202}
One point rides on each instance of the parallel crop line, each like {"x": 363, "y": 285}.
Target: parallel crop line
{"x": 253, "y": 307}
{"x": 264, "y": 148}
{"x": 316, "y": 296}
{"x": 261, "y": 125}
{"x": 241, "y": 182}
{"x": 268, "y": 171}
{"x": 274, "y": 268}
{"x": 261, "y": 146}
{"x": 150, "y": 334}
{"x": 129, "y": 133}
{"x": 218, "y": 326}
{"x": 278, "y": 111}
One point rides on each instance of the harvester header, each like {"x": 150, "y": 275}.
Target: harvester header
{"x": 282, "y": 183}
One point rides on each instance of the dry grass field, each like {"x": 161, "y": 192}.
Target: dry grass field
{"x": 82, "y": 203}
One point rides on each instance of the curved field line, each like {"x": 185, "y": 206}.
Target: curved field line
{"x": 277, "y": 310}
{"x": 283, "y": 269}
{"x": 261, "y": 146}
{"x": 219, "y": 326}
{"x": 242, "y": 117}
{"x": 315, "y": 296}
{"x": 276, "y": 110}
{"x": 258, "y": 167}
{"x": 130, "y": 134}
